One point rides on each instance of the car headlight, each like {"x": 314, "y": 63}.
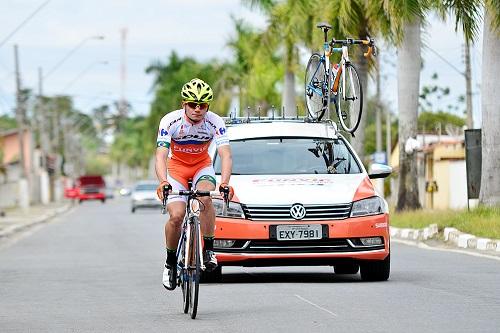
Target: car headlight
{"x": 234, "y": 209}
{"x": 370, "y": 206}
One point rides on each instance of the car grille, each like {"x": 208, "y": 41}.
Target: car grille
{"x": 282, "y": 213}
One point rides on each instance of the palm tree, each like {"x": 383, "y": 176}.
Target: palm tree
{"x": 405, "y": 24}
{"x": 490, "y": 108}
{"x": 287, "y": 29}
{"x": 467, "y": 14}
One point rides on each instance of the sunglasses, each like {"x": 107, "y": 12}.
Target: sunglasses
{"x": 193, "y": 105}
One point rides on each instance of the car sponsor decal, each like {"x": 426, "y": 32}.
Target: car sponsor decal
{"x": 293, "y": 181}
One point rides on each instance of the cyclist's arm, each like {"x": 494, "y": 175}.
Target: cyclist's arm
{"x": 161, "y": 163}
{"x": 226, "y": 162}
{"x": 162, "y": 148}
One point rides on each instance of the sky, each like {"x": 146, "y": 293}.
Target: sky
{"x": 198, "y": 28}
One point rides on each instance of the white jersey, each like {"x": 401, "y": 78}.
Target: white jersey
{"x": 189, "y": 143}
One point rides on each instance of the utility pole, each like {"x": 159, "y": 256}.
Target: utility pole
{"x": 19, "y": 114}
{"x": 24, "y": 188}
{"x": 468, "y": 85}
{"x": 123, "y": 75}
{"x": 378, "y": 111}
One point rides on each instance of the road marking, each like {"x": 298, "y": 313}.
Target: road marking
{"x": 316, "y": 305}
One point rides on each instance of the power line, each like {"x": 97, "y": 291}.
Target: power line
{"x": 23, "y": 23}
{"x": 446, "y": 61}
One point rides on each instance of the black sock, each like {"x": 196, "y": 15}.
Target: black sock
{"x": 209, "y": 243}
{"x": 171, "y": 257}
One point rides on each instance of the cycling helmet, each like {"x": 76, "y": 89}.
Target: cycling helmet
{"x": 197, "y": 90}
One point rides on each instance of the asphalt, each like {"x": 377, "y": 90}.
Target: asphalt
{"x": 97, "y": 268}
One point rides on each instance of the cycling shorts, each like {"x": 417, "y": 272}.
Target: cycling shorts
{"x": 179, "y": 174}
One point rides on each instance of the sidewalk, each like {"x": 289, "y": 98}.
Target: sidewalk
{"x": 447, "y": 239}
{"x": 16, "y": 220}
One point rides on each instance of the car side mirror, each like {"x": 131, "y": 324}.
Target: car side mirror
{"x": 379, "y": 171}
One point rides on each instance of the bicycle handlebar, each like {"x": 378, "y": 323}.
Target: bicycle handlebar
{"x": 167, "y": 190}
{"x": 349, "y": 41}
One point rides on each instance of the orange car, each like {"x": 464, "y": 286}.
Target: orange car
{"x": 302, "y": 197}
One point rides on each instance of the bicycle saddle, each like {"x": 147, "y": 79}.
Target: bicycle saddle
{"x": 324, "y": 25}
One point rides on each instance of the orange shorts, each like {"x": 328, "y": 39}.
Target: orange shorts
{"x": 180, "y": 173}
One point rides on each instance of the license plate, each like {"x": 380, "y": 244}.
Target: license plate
{"x": 299, "y": 232}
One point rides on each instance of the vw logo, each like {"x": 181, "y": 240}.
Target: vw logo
{"x": 298, "y": 211}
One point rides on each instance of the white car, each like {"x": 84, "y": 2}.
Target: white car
{"x": 144, "y": 196}
{"x": 302, "y": 197}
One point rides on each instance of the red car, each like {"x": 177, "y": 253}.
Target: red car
{"x": 91, "y": 187}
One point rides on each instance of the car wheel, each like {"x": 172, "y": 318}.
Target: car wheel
{"x": 214, "y": 276}
{"x": 347, "y": 268}
{"x": 376, "y": 270}
{"x": 103, "y": 200}
{"x": 133, "y": 209}
{"x": 80, "y": 202}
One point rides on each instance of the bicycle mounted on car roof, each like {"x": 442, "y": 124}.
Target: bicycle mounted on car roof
{"x": 341, "y": 80}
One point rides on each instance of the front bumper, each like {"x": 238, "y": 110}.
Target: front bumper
{"x": 256, "y": 245}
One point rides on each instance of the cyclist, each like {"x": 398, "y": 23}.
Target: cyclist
{"x": 184, "y": 136}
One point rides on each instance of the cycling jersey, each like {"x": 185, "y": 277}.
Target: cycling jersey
{"x": 188, "y": 143}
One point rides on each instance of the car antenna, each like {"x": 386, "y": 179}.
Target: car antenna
{"x": 272, "y": 109}
{"x": 259, "y": 111}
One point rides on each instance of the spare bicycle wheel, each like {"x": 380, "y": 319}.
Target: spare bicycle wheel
{"x": 349, "y": 103}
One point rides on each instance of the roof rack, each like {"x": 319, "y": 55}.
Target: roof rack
{"x": 251, "y": 119}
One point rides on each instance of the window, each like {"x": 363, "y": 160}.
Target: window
{"x": 281, "y": 156}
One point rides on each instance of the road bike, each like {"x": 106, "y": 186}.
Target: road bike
{"x": 339, "y": 83}
{"x": 189, "y": 249}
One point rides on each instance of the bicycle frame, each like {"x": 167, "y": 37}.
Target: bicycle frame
{"x": 192, "y": 209}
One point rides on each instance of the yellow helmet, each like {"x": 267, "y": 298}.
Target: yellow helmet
{"x": 197, "y": 90}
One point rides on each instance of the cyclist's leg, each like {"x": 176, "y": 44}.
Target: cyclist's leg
{"x": 176, "y": 207}
{"x": 204, "y": 179}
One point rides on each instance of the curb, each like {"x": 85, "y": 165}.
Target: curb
{"x": 452, "y": 236}
{"x": 42, "y": 219}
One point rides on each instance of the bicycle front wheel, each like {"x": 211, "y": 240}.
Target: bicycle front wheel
{"x": 349, "y": 99}
{"x": 185, "y": 284}
{"x": 315, "y": 87}
{"x": 194, "y": 267}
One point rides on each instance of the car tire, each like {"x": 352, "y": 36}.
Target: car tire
{"x": 346, "y": 268}
{"x": 103, "y": 200}
{"x": 214, "y": 276}
{"x": 80, "y": 202}
{"x": 376, "y": 270}
{"x": 133, "y": 209}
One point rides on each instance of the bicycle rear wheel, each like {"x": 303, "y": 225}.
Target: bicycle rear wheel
{"x": 194, "y": 267}
{"x": 315, "y": 88}
{"x": 349, "y": 102}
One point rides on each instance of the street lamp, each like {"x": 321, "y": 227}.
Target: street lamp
{"x": 82, "y": 73}
{"x": 70, "y": 53}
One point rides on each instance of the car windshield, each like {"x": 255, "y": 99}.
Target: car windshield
{"x": 282, "y": 156}
{"x": 145, "y": 187}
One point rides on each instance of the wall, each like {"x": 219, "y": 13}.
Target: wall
{"x": 458, "y": 185}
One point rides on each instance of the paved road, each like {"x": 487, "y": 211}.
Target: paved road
{"x": 98, "y": 268}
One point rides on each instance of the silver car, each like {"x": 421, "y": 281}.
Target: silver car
{"x": 144, "y": 195}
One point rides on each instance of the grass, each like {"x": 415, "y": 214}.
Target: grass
{"x": 481, "y": 221}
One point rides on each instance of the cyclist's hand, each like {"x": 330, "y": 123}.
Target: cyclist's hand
{"x": 225, "y": 188}
{"x": 159, "y": 189}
